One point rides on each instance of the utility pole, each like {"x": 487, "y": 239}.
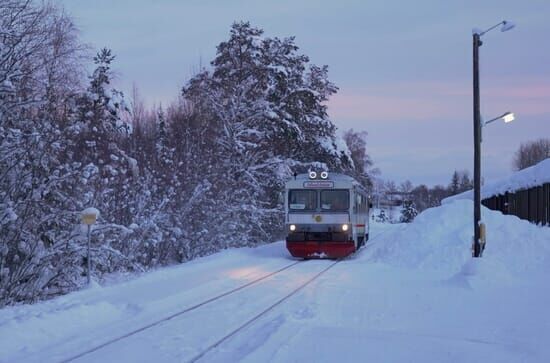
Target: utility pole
{"x": 477, "y": 148}
{"x": 477, "y": 249}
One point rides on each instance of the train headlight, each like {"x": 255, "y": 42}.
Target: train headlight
{"x": 324, "y": 175}
{"x": 312, "y": 175}
{"x": 345, "y": 227}
{"x": 292, "y": 227}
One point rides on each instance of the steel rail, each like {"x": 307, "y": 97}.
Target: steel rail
{"x": 179, "y": 313}
{"x": 258, "y": 316}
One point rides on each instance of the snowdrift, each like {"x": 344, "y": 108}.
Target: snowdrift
{"x": 439, "y": 239}
{"x": 532, "y": 176}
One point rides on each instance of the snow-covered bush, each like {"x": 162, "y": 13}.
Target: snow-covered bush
{"x": 408, "y": 212}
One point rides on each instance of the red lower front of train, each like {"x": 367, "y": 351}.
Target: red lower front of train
{"x": 318, "y": 244}
{"x": 320, "y": 249}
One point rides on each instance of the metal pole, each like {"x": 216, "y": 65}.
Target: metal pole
{"x": 89, "y": 254}
{"x": 477, "y": 147}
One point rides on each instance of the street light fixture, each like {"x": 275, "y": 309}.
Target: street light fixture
{"x": 507, "y": 117}
{"x": 89, "y": 217}
{"x": 505, "y": 26}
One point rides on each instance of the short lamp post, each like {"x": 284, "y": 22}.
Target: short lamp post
{"x": 505, "y": 26}
{"x": 89, "y": 217}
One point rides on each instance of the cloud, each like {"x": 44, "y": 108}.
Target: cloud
{"x": 425, "y": 100}
{"x": 422, "y": 130}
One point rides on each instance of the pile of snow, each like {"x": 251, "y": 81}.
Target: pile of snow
{"x": 532, "y": 176}
{"x": 439, "y": 240}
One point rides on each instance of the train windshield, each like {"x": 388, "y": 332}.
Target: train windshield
{"x": 302, "y": 199}
{"x": 334, "y": 200}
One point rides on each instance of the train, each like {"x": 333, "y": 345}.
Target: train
{"x": 327, "y": 215}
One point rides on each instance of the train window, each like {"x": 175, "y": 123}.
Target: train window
{"x": 364, "y": 204}
{"x": 334, "y": 200}
{"x": 302, "y": 199}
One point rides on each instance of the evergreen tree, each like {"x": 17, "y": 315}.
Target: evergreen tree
{"x": 109, "y": 175}
{"x": 267, "y": 105}
{"x": 454, "y": 187}
{"x": 382, "y": 217}
{"x": 409, "y": 212}
{"x": 164, "y": 153}
{"x": 465, "y": 182}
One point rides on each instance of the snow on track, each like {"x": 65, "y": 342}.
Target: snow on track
{"x": 179, "y": 313}
{"x": 412, "y": 294}
{"x": 90, "y": 316}
{"x": 188, "y": 336}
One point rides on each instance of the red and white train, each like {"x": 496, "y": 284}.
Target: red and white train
{"x": 327, "y": 215}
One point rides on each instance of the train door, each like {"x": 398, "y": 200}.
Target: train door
{"x": 367, "y": 204}
{"x": 361, "y": 217}
{"x": 356, "y": 219}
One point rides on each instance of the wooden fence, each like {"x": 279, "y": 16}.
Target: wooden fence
{"x": 532, "y": 204}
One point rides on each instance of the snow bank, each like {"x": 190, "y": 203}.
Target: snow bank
{"x": 439, "y": 239}
{"x": 524, "y": 179}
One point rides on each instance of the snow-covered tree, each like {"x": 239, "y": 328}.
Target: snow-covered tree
{"x": 36, "y": 208}
{"x": 108, "y": 174}
{"x": 408, "y": 212}
{"x": 382, "y": 217}
{"x": 203, "y": 175}
{"x": 267, "y": 106}
{"x": 362, "y": 163}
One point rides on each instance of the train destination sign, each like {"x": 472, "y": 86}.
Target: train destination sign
{"x": 319, "y": 184}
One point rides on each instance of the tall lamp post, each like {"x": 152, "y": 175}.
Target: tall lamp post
{"x": 505, "y": 26}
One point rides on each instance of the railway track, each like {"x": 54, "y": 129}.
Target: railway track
{"x": 219, "y": 341}
{"x": 249, "y": 322}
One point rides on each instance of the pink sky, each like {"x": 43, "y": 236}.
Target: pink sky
{"x": 431, "y": 122}
{"x": 429, "y": 100}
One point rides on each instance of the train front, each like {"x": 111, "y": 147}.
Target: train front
{"x": 318, "y": 217}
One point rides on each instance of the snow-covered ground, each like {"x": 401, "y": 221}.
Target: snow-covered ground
{"x": 413, "y": 294}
